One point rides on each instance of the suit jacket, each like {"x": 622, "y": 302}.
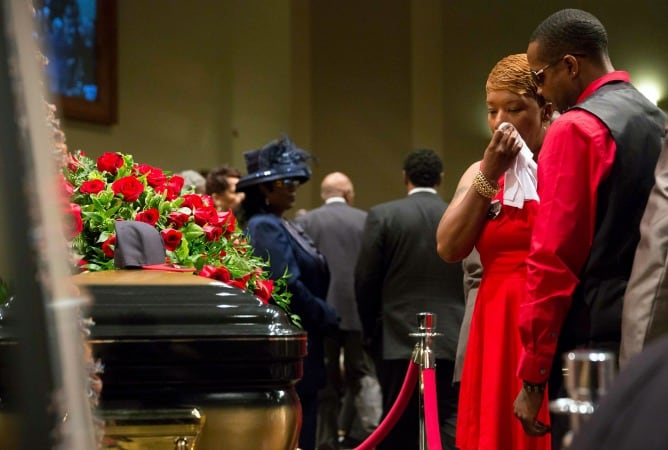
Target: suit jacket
{"x": 472, "y": 277}
{"x": 285, "y": 246}
{"x": 645, "y": 311}
{"x": 399, "y": 274}
{"x": 336, "y": 229}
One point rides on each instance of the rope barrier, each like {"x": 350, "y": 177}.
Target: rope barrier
{"x": 396, "y": 411}
{"x": 422, "y": 364}
{"x": 431, "y": 410}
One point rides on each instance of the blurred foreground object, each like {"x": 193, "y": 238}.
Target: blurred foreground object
{"x": 633, "y": 413}
{"x": 588, "y": 376}
{"x": 43, "y": 377}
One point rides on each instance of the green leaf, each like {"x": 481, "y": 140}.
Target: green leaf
{"x": 100, "y": 211}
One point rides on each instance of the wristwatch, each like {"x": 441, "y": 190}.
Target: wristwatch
{"x": 532, "y": 387}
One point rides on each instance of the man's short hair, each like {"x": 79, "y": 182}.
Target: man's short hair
{"x": 571, "y": 31}
{"x": 423, "y": 167}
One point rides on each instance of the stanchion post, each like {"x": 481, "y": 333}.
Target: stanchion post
{"x": 423, "y": 354}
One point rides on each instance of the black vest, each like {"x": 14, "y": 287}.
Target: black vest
{"x": 637, "y": 127}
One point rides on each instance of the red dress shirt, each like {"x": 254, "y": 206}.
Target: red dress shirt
{"x": 576, "y": 156}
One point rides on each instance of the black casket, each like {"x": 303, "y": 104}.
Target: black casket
{"x": 191, "y": 363}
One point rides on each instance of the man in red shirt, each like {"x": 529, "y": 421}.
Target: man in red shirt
{"x": 595, "y": 171}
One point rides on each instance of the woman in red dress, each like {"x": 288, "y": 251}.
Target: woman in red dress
{"x": 493, "y": 209}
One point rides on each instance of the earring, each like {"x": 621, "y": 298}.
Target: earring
{"x": 266, "y": 201}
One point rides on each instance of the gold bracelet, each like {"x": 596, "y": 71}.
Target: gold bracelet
{"x": 483, "y": 186}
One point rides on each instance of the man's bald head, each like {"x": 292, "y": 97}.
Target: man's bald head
{"x": 337, "y": 184}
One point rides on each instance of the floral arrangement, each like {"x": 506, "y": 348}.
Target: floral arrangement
{"x": 195, "y": 234}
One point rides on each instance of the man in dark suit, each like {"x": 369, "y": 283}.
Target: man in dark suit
{"x": 399, "y": 274}
{"x": 336, "y": 227}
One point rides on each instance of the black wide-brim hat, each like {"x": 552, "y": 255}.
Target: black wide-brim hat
{"x": 276, "y": 160}
{"x": 140, "y": 246}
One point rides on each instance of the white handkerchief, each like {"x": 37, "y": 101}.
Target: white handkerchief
{"x": 520, "y": 182}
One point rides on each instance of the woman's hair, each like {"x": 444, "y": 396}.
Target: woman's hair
{"x": 216, "y": 180}
{"x": 253, "y": 203}
{"x": 513, "y": 74}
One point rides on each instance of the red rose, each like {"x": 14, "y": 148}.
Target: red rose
{"x": 130, "y": 188}
{"x": 73, "y": 162}
{"x": 192, "y": 201}
{"x": 155, "y": 177}
{"x": 207, "y": 271}
{"x": 171, "y": 188}
{"x": 141, "y": 169}
{"x": 216, "y": 273}
{"x": 177, "y": 219}
{"x": 206, "y": 215}
{"x": 241, "y": 284}
{"x": 110, "y": 162}
{"x": 65, "y": 186}
{"x": 227, "y": 220}
{"x": 176, "y": 183}
{"x": 149, "y": 216}
{"x": 213, "y": 233}
{"x": 207, "y": 200}
{"x": 171, "y": 238}
{"x": 109, "y": 246}
{"x": 92, "y": 186}
{"x": 264, "y": 289}
{"x": 74, "y": 222}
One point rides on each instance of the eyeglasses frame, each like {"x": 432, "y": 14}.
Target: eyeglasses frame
{"x": 287, "y": 182}
{"x": 537, "y": 75}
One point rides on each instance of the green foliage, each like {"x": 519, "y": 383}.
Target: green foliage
{"x": 195, "y": 235}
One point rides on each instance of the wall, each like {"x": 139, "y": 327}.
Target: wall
{"x": 358, "y": 83}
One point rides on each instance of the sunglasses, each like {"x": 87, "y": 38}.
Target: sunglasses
{"x": 539, "y": 75}
{"x": 287, "y": 182}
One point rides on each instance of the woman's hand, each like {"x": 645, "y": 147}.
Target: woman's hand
{"x": 500, "y": 153}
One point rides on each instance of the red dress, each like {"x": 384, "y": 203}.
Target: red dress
{"x": 489, "y": 385}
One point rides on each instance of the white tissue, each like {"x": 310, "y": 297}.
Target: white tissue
{"x": 520, "y": 182}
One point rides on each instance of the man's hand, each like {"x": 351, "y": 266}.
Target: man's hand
{"x": 527, "y": 405}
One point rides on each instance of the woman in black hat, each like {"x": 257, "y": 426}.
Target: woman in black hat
{"x": 275, "y": 171}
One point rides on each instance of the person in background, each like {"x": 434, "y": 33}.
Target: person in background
{"x": 336, "y": 227}
{"x": 221, "y": 184}
{"x": 493, "y": 210}
{"x": 398, "y": 275}
{"x": 595, "y": 173}
{"x": 275, "y": 172}
{"x": 645, "y": 311}
{"x": 472, "y": 277}
{"x": 194, "y": 180}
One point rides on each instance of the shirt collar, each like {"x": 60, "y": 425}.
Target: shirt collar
{"x": 617, "y": 75}
{"x": 335, "y": 200}
{"x": 422, "y": 189}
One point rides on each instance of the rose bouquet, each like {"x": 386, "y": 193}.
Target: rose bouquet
{"x": 195, "y": 234}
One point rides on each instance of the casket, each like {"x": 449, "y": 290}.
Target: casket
{"x": 192, "y": 363}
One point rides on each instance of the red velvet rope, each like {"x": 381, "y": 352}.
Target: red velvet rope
{"x": 396, "y": 411}
{"x": 431, "y": 409}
